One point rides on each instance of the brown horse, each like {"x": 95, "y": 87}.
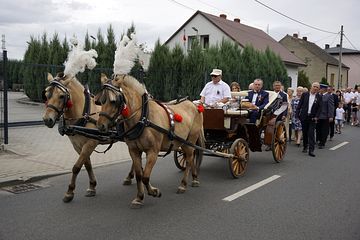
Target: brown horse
{"x": 67, "y": 96}
{"x": 125, "y": 98}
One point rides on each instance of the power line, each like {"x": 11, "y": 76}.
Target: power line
{"x": 350, "y": 43}
{"x": 183, "y": 5}
{"x": 294, "y": 19}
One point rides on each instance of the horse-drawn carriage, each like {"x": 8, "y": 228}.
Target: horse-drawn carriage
{"x": 148, "y": 126}
{"x": 229, "y": 134}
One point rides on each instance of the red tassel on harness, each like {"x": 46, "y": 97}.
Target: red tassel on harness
{"x": 69, "y": 104}
{"x": 178, "y": 117}
{"x": 125, "y": 111}
{"x": 200, "y": 108}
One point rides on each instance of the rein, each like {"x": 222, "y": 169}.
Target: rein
{"x": 86, "y": 115}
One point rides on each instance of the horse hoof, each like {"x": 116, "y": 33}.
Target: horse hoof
{"x": 90, "y": 193}
{"x": 195, "y": 183}
{"x": 181, "y": 190}
{"x": 156, "y": 193}
{"x": 68, "y": 198}
{"x": 127, "y": 182}
{"x": 136, "y": 204}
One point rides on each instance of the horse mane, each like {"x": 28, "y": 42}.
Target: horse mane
{"x": 133, "y": 83}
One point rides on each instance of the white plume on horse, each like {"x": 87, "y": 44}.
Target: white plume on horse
{"x": 79, "y": 59}
{"x": 125, "y": 55}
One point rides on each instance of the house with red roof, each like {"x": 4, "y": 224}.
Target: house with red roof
{"x": 211, "y": 30}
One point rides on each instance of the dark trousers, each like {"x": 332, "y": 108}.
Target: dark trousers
{"x": 347, "y": 108}
{"x": 322, "y": 131}
{"x": 332, "y": 128}
{"x": 253, "y": 115}
{"x": 308, "y": 129}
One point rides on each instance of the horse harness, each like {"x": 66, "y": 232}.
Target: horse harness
{"x": 136, "y": 131}
{"x": 86, "y": 116}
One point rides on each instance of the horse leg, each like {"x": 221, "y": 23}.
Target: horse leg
{"x": 189, "y": 153}
{"x": 91, "y": 191}
{"x": 138, "y": 202}
{"x": 84, "y": 154}
{"x": 69, "y": 195}
{"x": 151, "y": 157}
{"x": 130, "y": 176}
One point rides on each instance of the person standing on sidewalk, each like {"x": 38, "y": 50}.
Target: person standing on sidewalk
{"x": 325, "y": 117}
{"x": 308, "y": 111}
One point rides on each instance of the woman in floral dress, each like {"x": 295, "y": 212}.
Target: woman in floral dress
{"x": 295, "y": 122}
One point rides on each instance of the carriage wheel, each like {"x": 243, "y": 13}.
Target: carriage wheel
{"x": 238, "y": 164}
{"x": 180, "y": 162}
{"x": 278, "y": 144}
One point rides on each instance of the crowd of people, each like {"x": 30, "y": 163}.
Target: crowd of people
{"x": 313, "y": 116}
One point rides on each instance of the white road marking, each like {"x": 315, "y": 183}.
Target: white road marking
{"x": 251, "y": 188}
{"x": 339, "y": 145}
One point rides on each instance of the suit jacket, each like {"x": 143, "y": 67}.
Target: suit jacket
{"x": 284, "y": 97}
{"x": 336, "y": 100}
{"x": 327, "y": 107}
{"x": 261, "y": 100}
{"x": 303, "y": 107}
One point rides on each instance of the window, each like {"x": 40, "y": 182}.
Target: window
{"x": 204, "y": 41}
{"x": 332, "y": 79}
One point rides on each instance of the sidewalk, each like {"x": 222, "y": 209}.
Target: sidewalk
{"x": 38, "y": 151}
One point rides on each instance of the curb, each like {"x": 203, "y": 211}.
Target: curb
{"x": 28, "y": 102}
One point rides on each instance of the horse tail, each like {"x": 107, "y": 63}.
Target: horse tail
{"x": 201, "y": 139}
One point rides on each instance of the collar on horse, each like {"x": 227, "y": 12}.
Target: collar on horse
{"x": 135, "y": 131}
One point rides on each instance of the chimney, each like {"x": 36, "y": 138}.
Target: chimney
{"x": 223, "y": 16}
{"x": 337, "y": 45}
{"x": 295, "y": 35}
{"x": 237, "y": 20}
{"x": 327, "y": 46}
{"x": 305, "y": 39}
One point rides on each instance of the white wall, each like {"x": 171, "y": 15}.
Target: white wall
{"x": 204, "y": 27}
{"x": 293, "y": 73}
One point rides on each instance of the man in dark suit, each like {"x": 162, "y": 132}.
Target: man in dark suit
{"x": 308, "y": 111}
{"x": 259, "y": 98}
{"x": 277, "y": 85}
{"x": 330, "y": 90}
{"x": 325, "y": 117}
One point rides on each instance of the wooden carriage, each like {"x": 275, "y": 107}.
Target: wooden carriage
{"x": 229, "y": 134}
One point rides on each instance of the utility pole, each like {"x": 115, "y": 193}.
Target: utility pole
{"x": 340, "y": 56}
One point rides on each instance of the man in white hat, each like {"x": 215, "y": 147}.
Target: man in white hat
{"x": 215, "y": 91}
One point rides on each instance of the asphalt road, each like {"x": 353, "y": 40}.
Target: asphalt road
{"x": 313, "y": 198}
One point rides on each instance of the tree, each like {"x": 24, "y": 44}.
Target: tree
{"x": 303, "y": 80}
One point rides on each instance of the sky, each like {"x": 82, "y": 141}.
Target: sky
{"x": 159, "y": 19}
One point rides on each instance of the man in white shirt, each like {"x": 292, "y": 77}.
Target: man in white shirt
{"x": 348, "y": 98}
{"x": 215, "y": 91}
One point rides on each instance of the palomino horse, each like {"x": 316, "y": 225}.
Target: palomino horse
{"x": 66, "y": 96}
{"x": 144, "y": 123}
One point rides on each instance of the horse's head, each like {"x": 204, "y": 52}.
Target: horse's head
{"x": 57, "y": 97}
{"x": 112, "y": 101}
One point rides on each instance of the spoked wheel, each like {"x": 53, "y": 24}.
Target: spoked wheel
{"x": 238, "y": 163}
{"x": 180, "y": 162}
{"x": 279, "y": 141}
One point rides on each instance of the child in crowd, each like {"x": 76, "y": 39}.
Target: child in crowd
{"x": 339, "y": 118}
